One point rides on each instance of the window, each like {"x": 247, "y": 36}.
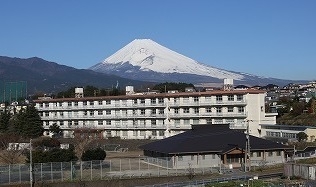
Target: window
{"x": 61, "y": 123}
{"x": 100, "y": 112}
{"x": 230, "y": 98}
{"x": 135, "y": 101}
{"x": 195, "y": 99}
{"x": 108, "y": 112}
{"x": 60, "y": 104}
{"x": 161, "y": 133}
{"x": 176, "y": 111}
{"x": 270, "y": 153}
{"x": 240, "y": 97}
{"x": 230, "y": 121}
{"x": 154, "y": 133}
{"x": 46, "y": 105}
{"x": 176, "y": 100}
{"x": 186, "y": 110}
{"x": 153, "y": 101}
{"x": 108, "y": 122}
{"x": 186, "y": 122}
{"x": 278, "y": 153}
{"x": 208, "y": 110}
{"x": 196, "y": 110}
{"x": 125, "y": 133}
{"x": 100, "y": 122}
{"x": 218, "y": 110}
{"x": 107, "y": 102}
{"x": 69, "y": 104}
{"x": 142, "y": 112}
{"x": 230, "y": 109}
{"x": 196, "y": 121}
{"x": 76, "y": 103}
{"x": 241, "y": 110}
{"x": 219, "y": 98}
{"x": 153, "y": 111}
{"x": 91, "y": 103}
{"x": 142, "y": 101}
{"x": 258, "y": 154}
{"x": 209, "y": 121}
{"x": 100, "y": 102}
{"x": 153, "y": 122}
{"x": 75, "y": 122}
{"x": 160, "y": 101}
{"x": 177, "y": 122}
{"x": 218, "y": 121}
{"x": 192, "y": 157}
{"x": 161, "y": 111}
{"x": 180, "y": 158}
{"x": 84, "y": 103}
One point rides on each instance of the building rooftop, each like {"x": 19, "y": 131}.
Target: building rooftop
{"x": 210, "y": 138}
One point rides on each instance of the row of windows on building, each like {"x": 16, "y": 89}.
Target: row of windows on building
{"x": 232, "y": 160}
{"x": 218, "y": 98}
{"x": 143, "y": 111}
{"x": 154, "y": 122}
{"x": 281, "y": 134}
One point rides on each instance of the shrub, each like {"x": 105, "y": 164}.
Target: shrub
{"x": 94, "y": 154}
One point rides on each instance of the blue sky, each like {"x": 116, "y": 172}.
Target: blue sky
{"x": 267, "y": 38}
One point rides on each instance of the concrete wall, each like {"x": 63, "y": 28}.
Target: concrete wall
{"x": 196, "y": 161}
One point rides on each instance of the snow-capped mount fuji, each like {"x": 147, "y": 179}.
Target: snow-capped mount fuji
{"x": 146, "y": 60}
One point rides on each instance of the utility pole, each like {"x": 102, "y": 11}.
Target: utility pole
{"x": 31, "y": 165}
{"x": 247, "y": 162}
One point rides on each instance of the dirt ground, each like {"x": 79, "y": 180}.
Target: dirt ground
{"x": 128, "y": 154}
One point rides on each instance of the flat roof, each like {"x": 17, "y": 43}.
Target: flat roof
{"x": 158, "y": 95}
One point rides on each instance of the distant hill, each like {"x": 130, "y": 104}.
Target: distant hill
{"x": 50, "y": 77}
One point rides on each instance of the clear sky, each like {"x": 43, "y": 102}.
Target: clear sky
{"x": 271, "y": 38}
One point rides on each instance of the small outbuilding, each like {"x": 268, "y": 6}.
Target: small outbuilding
{"x": 212, "y": 146}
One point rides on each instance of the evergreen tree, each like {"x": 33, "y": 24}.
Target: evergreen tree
{"x": 93, "y": 154}
{"x": 55, "y": 129}
{"x": 28, "y": 123}
{"x": 4, "y": 121}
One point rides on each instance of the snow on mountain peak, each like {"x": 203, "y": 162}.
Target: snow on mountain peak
{"x": 149, "y": 55}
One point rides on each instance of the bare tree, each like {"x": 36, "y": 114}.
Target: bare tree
{"x": 82, "y": 140}
{"x": 12, "y": 148}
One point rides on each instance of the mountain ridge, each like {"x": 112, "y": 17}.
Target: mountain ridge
{"x": 46, "y": 76}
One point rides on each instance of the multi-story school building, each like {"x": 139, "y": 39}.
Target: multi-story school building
{"x": 155, "y": 115}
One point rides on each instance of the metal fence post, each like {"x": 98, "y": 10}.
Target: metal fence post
{"x": 61, "y": 171}
{"x": 80, "y": 170}
{"x": 9, "y": 176}
{"x": 101, "y": 169}
{"x": 51, "y": 171}
{"x": 20, "y": 173}
{"x": 71, "y": 172}
{"x": 167, "y": 166}
{"x": 41, "y": 171}
{"x": 120, "y": 168}
{"x": 91, "y": 170}
{"x": 110, "y": 165}
{"x": 138, "y": 164}
{"x": 158, "y": 166}
{"x": 129, "y": 163}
